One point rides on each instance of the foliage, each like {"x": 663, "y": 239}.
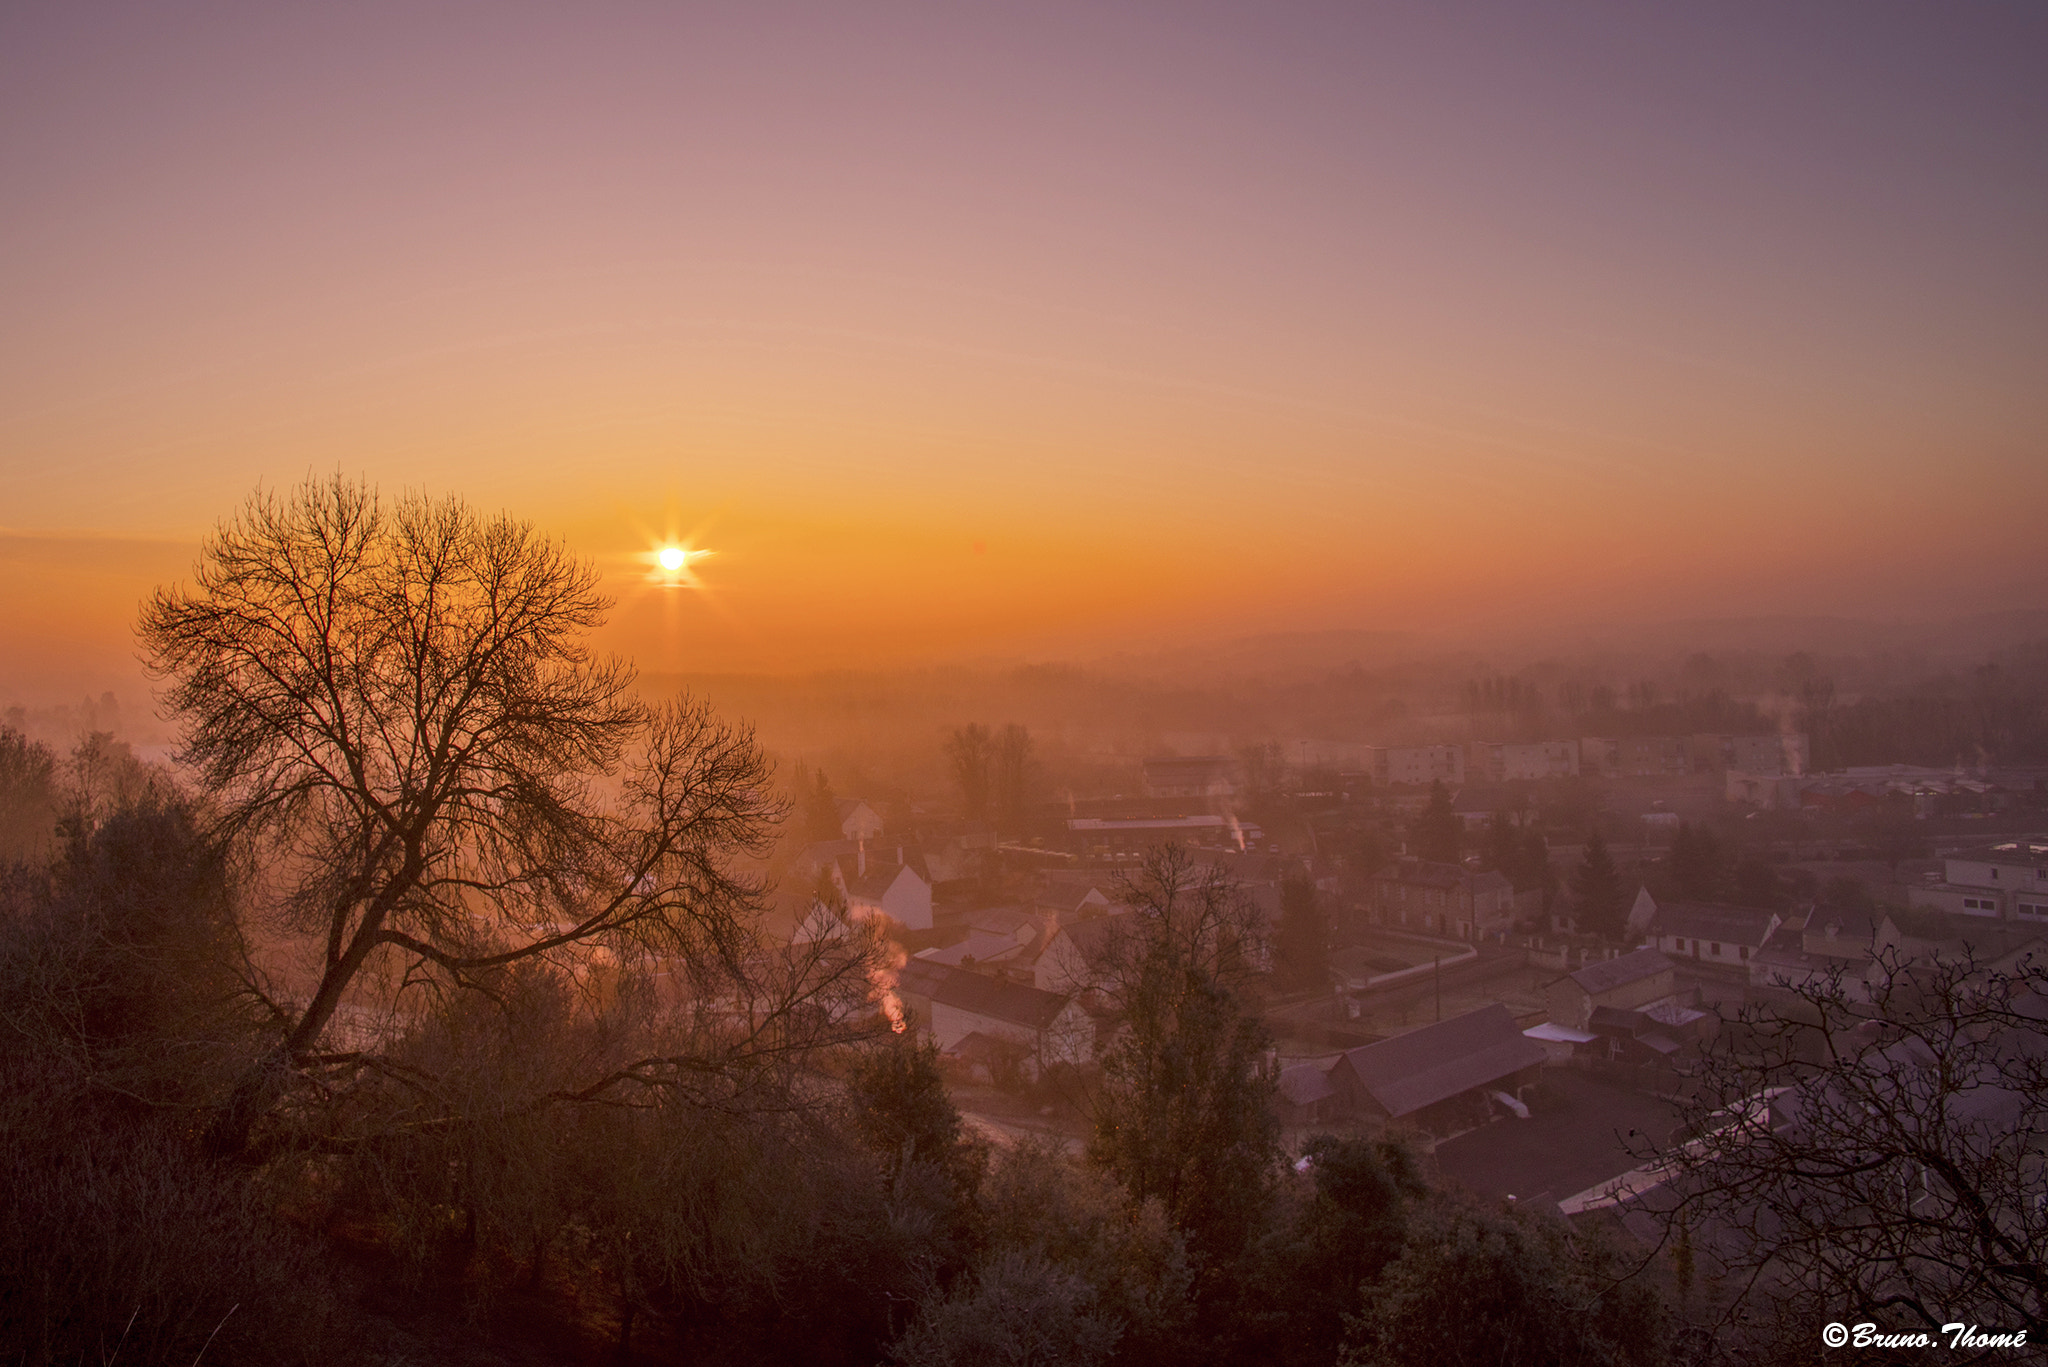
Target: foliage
{"x": 820, "y": 807}
{"x": 121, "y": 1242}
{"x": 28, "y": 797}
{"x": 1332, "y": 1230}
{"x": 1183, "y": 1111}
{"x": 902, "y": 1111}
{"x": 1301, "y": 947}
{"x": 1597, "y": 891}
{"x": 121, "y": 1015}
{"x": 1487, "y": 1288}
{"x": 1437, "y": 834}
{"x": 124, "y": 963}
{"x": 1017, "y": 1310}
{"x": 1697, "y": 869}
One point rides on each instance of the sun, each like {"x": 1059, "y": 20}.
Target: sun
{"x": 673, "y": 558}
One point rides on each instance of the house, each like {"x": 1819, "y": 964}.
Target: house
{"x": 1712, "y": 932}
{"x": 1996, "y": 946}
{"x": 956, "y": 851}
{"x": 1442, "y": 899}
{"x": 953, "y": 1003}
{"x": 1075, "y": 953}
{"x": 1830, "y": 942}
{"x": 1628, "y": 983}
{"x": 1560, "y": 1043}
{"x": 2007, "y": 881}
{"x": 1304, "y": 1094}
{"x": 879, "y": 887}
{"x": 981, "y": 949}
{"x": 1438, "y": 1077}
{"x": 1656, "y": 1033}
{"x": 858, "y": 821}
{"x": 1073, "y": 896}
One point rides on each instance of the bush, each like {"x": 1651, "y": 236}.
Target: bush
{"x": 1493, "y": 1289}
{"x": 117, "y": 1238}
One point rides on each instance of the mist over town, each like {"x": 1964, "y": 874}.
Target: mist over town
{"x": 906, "y": 686}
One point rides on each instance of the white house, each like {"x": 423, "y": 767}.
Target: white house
{"x": 859, "y": 821}
{"x": 873, "y": 886}
{"x": 1711, "y": 932}
{"x": 953, "y": 1003}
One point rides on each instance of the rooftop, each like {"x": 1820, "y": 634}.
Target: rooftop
{"x": 1609, "y": 974}
{"x": 1713, "y": 921}
{"x": 1437, "y": 1062}
{"x": 1013, "y": 1003}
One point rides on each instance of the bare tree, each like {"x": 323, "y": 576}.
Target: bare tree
{"x": 971, "y": 751}
{"x": 1010, "y": 784}
{"x": 396, "y": 700}
{"x": 1879, "y": 1144}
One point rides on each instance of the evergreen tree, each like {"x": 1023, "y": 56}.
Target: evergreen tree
{"x": 1697, "y": 870}
{"x": 1602, "y": 907}
{"x": 1503, "y": 844}
{"x": 1437, "y": 833}
{"x": 1301, "y": 951}
{"x": 821, "y": 810}
{"x": 1533, "y": 869}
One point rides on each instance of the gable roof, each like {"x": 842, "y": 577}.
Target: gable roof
{"x": 1304, "y": 1084}
{"x": 1437, "y": 1062}
{"x": 1713, "y": 921}
{"x": 1609, "y": 974}
{"x": 996, "y": 998}
{"x": 881, "y": 874}
{"x": 1984, "y": 936}
{"x": 979, "y": 946}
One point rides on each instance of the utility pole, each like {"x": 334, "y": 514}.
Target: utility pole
{"x": 1438, "y": 964}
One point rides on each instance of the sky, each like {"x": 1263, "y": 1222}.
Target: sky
{"x": 974, "y": 331}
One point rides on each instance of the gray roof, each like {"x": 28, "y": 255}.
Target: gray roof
{"x": 1609, "y": 974}
{"x": 1304, "y": 1084}
{"x": 1982, "y": 935}
{"x": 996, "y": 998}
{"x": 1712, "y": 921}
{"x": 1437, "y": 1062}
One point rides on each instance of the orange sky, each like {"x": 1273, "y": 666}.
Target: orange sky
{"x": 1046, "y": 331}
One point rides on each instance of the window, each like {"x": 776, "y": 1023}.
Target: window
{"x": 2036, "y": 910}
{"x": 1714, "y": 949}
{"x": 1745, "y": 953}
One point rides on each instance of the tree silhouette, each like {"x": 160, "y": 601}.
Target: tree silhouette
{"x": 1183, "y": 1112}
{"x": 396, "y": 701}
{"x": 1437, "y": 833}
{"x": 1597, "y": 887}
